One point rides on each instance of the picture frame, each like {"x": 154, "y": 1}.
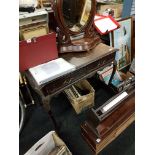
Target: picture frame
{"x": 121, "y": 39}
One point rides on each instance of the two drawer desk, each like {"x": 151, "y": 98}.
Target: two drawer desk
{"x": 87, "y": 64}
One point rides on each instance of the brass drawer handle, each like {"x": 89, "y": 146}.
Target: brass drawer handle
{"x": 67, "y": 81}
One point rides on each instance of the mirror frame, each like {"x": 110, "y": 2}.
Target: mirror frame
{"x": 89, "y": 39}
{"x": 89, "y": 21}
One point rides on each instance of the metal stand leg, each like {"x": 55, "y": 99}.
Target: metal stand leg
{"x": 113, "y": 72}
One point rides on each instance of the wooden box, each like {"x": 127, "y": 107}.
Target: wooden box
{"x": 110, "y": 127}
{"x": 128, "y": 81}
{"x": 81, "y": 102}
{"x": 96, "y": 116}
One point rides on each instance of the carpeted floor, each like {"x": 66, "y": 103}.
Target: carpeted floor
{"x": 38, "y": 124}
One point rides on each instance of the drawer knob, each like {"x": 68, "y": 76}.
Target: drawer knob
{"x": 67, "y": 81}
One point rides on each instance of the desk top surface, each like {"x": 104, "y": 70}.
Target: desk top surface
{"x": 82, "y": 59}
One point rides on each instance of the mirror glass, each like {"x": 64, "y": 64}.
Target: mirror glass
{"x": 76, "y": 13}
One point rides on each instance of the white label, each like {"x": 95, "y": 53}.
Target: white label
{"x": 98, "y": 140}
{"x": 116, "y": 100}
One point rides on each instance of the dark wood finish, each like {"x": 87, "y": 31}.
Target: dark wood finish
{"x": 87, "y": 63}
{"x": 110, "y": 127}
{"x": 95, "y": 119}
{"x": 89, "y": 37}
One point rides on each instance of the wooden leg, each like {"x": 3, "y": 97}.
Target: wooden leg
{"x": 46, "y": 105}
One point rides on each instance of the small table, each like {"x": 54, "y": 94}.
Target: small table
{"x": 87, "y": 63}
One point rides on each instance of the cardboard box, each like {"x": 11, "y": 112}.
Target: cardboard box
{"x": 50, "y": 144}
{"x": 39, "y": 29}
{"x": 114, "y": 6}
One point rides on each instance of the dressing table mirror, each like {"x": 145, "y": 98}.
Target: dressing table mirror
{"x": 75, "y": 25}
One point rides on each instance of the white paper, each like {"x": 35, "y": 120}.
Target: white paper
{"x": 51, "y": 70}
{"x": 115, "y": 101}
{"x": 97, "y": 17}
{"x": 105, "y": 24}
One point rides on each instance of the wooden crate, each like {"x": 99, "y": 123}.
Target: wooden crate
{"x": 83, "y": 102}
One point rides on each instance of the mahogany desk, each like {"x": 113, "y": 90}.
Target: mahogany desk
{"x": 87, "y": 63}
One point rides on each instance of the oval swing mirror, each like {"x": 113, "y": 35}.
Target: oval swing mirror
{"x": 75, "y": 25}
{"x": 76, "y": 13}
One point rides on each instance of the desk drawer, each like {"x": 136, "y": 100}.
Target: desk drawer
{"x": 65, "y": 81}
{"x": 100, "y": 63}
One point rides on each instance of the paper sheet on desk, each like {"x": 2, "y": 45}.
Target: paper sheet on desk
{"x": 53, "y": 69}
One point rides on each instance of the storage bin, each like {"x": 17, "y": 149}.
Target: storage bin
{"x": 81, "y": 102}
{"x": 128, "y": 81}
{"x": 50, "y": 144}
{"x": 36, "y": 30}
